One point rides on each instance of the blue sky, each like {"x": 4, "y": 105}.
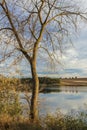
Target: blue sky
{"x": 73, "y": 60}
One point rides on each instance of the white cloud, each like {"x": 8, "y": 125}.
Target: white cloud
{"x": 1, "y": 65}
{"x": 73, "y": 58}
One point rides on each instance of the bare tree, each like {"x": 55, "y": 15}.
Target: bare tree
{"x": 27, "y": 26}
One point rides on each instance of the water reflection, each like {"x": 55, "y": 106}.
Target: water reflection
{"x": 50, "y": 90}
{"x": 64, "y": 98}
{"x": 72, "y": 89}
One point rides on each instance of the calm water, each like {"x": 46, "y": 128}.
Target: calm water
{"x": 66, "y": 99}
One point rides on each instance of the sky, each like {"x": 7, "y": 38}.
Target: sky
{"x": 76, "y": 57}
{"x": 73, "y": 61}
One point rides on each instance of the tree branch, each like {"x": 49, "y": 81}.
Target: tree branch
{"x": 15, "y": 32}
{"x": 1, "y": 29}
{"x": 65, "y": 13}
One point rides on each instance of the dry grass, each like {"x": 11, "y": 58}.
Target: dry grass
{"x": 74, "y": 82}
{"x": 50, "y": 122}
{"x": 17, "y": 123}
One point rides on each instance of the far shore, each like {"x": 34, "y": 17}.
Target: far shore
{"x": 73, "y": 82}
{"x": 25, "y": 84}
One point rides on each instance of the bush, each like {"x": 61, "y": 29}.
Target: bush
{"x": 66, "y": 122}
{"x": 9, "y": 101}
{"x": 58, "y": 121}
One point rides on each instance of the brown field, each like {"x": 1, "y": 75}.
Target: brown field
{"x": 74, "y": 82}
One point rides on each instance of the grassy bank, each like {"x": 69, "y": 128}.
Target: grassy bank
{"x": 50, "y": 122}
{"x": 73, "y": 82}
{"x": 25, "y": 84}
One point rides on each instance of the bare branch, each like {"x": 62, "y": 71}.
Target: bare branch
{"x": 1, "y": 29}
{"x": 49, "y": 54}
{"x": 15, "y": 32}
{"x": 65, "y": 13}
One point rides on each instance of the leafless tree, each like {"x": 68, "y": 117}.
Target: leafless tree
{"x": 27, "y": 26}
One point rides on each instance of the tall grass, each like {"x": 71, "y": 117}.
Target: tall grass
{"x": 78, "y": 121}
{"x": 58, "y": 121}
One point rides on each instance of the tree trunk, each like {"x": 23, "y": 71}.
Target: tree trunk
{"x": 35, "y": 92}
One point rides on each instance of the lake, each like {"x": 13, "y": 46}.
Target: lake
{"x": 66, "y": 99}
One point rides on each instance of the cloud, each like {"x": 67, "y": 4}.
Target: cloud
{"x": 1, "y": 65}
{"x": 73, "y": 60}
{"x": 70, "y": 101}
